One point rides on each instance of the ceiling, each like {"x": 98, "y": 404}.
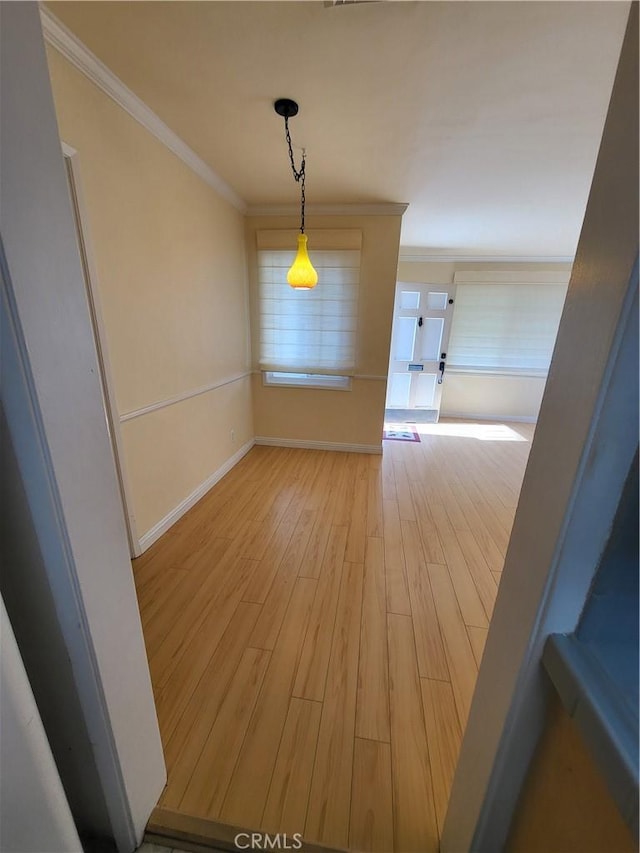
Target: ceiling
{"x": 485, "y": 117}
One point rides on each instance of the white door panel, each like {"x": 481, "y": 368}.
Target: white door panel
{"x": 431, "y": 339}
{"x": 405, "y": 339}
{"x": 399, "y": 387}
{"x": 425, "y": 394}
{"x": 437, "y": 301}
{"x": 410, "y": 299}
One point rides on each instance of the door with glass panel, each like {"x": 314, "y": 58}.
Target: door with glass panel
{"x": 421, "y": 324}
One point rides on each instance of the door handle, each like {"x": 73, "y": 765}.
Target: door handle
{"x": 441, "y": 369}
{"x": 420, "y": 322}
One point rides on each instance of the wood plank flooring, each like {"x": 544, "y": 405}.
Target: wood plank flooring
{"x": 314, "y": 627}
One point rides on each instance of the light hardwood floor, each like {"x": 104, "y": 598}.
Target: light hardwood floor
{"x": 314, "y": 628}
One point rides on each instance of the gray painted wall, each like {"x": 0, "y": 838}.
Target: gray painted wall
{"x": 34, "y": 815}
{"x": 31, "y": 608}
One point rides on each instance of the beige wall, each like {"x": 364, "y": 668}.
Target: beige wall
{"x": 171, "y": 270}
{"x": 306, "y": 415}
{"x": 173, "y": 434}
{"x": 339, "y": 417}
{"x": 473, "y": 395}
{"x": 492, "y": 396}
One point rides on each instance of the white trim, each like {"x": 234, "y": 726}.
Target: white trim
{"x": 305, "y": 444}
{"x": 371, "y": 377}
{"x": 178, "y": 398}
{"x": 365, "y": 376}
{"x": 70, "y": 46}
{"x": 417, "y": 255}
{"x": 467, "y": 416}
{"x": 390, "y": 209}
{"x": 177, "y": 512}
{"x": 102, "y": 351}
{"x": 320, "y": 381}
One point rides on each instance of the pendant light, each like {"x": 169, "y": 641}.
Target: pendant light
{"x": 302, "y": 275}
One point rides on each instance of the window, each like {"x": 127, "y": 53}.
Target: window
{"x": 308, "y": 337}
{"x": 308, "y": 380}
{"x": 506, "y": 322}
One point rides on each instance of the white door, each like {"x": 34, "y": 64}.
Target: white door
{"x": 421, "y": 325}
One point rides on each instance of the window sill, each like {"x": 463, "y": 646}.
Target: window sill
{"x": 605, "y": 709}
{"x": 272, "y": 379}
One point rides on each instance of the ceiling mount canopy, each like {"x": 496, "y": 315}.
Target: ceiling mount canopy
{"x": 302, "y": 275}
{"x": 286, "y": 108}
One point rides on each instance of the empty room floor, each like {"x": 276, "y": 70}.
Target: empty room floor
{"x": 314, "y": 627}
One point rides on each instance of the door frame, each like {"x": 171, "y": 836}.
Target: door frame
{"x": 72, "y": 164}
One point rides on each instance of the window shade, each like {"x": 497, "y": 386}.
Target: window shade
{"x": 311, "y": 331}
{"x": 506, "y": 325}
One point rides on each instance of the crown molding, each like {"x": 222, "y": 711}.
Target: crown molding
{"x": 384, "y": 209}
{"x": 417, "y": 255}
{"x": 66, "y": 43}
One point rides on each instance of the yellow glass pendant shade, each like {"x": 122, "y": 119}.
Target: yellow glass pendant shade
{"x": 302, "y": 275}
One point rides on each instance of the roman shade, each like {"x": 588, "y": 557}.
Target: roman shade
{"x": 309, "y": 331}
{"x": 506, "y": 322}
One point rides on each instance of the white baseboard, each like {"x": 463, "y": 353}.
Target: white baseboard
{"x": 177, "y": 512}
{"x": 303, "y": 444}
{"x": 469, "y": 416}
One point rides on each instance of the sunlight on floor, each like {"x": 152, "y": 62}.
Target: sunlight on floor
{"x": 483, "y": 432}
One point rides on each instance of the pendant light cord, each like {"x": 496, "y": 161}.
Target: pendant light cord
{"x": 298, "y": 174}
